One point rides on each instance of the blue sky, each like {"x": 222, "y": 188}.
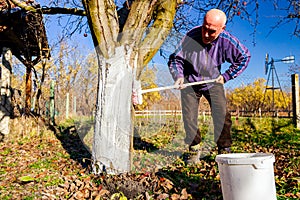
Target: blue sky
{"x": 279, "y": 43}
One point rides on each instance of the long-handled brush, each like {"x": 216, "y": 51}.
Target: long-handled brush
{"x": 139, "y": 91}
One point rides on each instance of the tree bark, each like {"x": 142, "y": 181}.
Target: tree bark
{"x": 5, "y": 106}
{"x": 121, "y": 58}
{"x": 112, "y": 136}
{"x": 103, "y": 21}
{"x": 28, "y": 89}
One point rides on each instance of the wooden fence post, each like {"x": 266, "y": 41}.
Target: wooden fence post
{"x": 67, "y": 105}
{"x": 51, "y": 106}
{"x": 5, "y": 104}
{"x": 74, "y": 106}
{"x": 295, "y": 100}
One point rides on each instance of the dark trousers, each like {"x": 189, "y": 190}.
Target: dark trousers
{"x": 190, "y": 98}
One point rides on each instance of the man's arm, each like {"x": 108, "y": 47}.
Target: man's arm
{"x": 175, "y": 65}
{"x": 239, "y": 56}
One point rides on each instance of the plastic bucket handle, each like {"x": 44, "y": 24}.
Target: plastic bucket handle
{"x": 258, "y": 160}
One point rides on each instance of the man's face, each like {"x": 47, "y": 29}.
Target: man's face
{"x": 211, "y": 30}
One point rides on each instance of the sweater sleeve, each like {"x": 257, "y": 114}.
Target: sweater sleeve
{"x": 175, "y": 64}
{"x": 238, "y": 56}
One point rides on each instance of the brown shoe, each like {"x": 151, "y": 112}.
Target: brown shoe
{"x": 196, "y": 152}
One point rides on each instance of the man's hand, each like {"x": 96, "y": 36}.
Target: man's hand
{"x": 180, "y": 82}
{"x": 134, "y": 98}
{"x": 220, "y": 79}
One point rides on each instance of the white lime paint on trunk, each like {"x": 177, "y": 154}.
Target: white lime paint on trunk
{"x": 5, "y": 106}
{"x": 112, "y": 136}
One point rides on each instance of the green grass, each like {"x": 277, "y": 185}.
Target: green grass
{"x": 270, "y": 135}
{"x": 41, "y": 164}
{"x": 43, "y": 161}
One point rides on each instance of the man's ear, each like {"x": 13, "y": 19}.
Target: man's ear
{"x": 224, "y": 27}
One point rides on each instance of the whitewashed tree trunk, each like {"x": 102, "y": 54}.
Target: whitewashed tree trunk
{"x": 5, "y": 104}
{"x": 112, "y": 137}
{"x": 147, "y": 25}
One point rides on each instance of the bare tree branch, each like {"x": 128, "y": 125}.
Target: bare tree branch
{"x": 104, "y": 27}
{"x": 58, "y": 10}
{"x": 292, "y": 16}
{"x": 138, "y": 19}
{"x": 49, "y": 10}
{"x": 159, "y": 30}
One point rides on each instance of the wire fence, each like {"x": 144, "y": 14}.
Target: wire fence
{"x": 169, "y": 103}
{"x": 82, "y": 91}
{"x": 161, "y": 120}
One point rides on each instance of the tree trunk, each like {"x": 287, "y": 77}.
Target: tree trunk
{"x": 5, "y": 106}
{"x": 28, "y": 89}
{"x": 122, "y": 57}
{"x": 112, "y": 138}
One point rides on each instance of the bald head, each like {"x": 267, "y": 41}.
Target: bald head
{"x": 213, "y": 24}
{"x": 216, "y": 16}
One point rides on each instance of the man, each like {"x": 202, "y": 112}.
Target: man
{"x": 199, "y": 58}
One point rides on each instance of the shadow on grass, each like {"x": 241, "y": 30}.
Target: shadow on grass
{"x": 2, "y": 137}
{"x": 198, "y": 184}
{"x": 140, "y": 144}
{"x": 262, "y": 125}
{"x": 72, "y": 143}
{"x": 71, "y": 140}
{"x": 278, "y": 125}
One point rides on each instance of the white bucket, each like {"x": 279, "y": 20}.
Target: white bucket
{"x": 247, "y": 176}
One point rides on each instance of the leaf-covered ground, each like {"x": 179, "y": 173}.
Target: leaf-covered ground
{"x": 52, "y": 163}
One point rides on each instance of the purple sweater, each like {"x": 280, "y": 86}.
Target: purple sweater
{"x": 196, "y": 61}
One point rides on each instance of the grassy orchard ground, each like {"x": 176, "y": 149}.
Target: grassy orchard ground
{"x": 38, "y": 162}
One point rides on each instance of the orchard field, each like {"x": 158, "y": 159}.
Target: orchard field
{"x": 47, "y": 162}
